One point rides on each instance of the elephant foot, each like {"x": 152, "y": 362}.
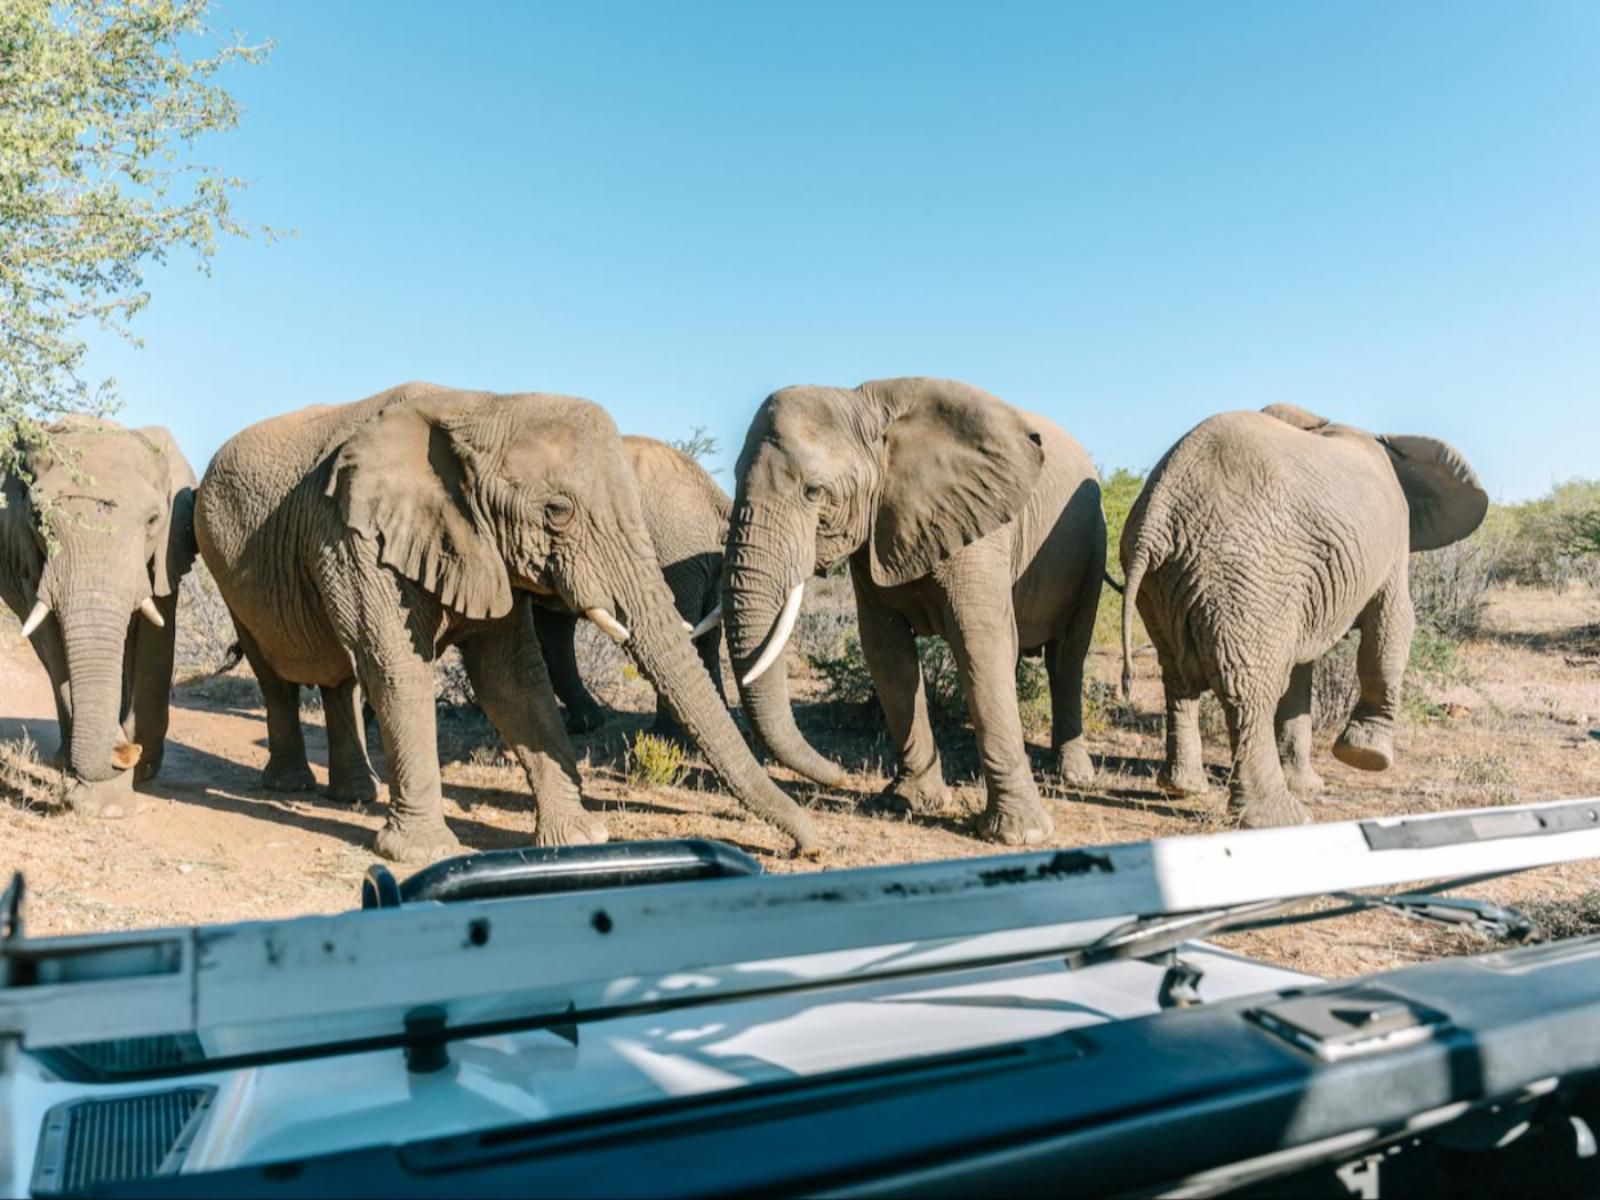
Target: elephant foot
{"x": 568, "y": 825}
{"x": 147, "y": 769}
{"x": 107, "y": 799}
{"x": 415, "y": 843}
{"x": 1365, "y": 746}
{"x": 288, "y": 777}
{"x": 924, "y": 795}
{"x": 1074, "y": 767}
{"x": 1304, "y": 782}
{"x": 585, "y": 718}
{"x": 1183, "y": 781}
{"x": 355, "y": 788}
{"x": 1014, "y": 824}
{"x": 1269, "y": 812}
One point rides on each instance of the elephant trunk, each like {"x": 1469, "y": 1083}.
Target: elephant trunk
{"x": 94, "y": 631}
{"x": 753, "y": 600}
{"x": 668, "y": 659}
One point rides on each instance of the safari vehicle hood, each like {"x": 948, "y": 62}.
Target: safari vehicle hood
{"x": 664, "y": 1019}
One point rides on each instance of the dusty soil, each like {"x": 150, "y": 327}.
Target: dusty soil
{"x": 209, "y": 844}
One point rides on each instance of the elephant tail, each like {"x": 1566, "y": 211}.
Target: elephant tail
{"x": 1129, "y": 590}
{"x": 231, "y": 659}
{"x": 1111, "y": 583}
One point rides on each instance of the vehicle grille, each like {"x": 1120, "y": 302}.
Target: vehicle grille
{"x": 109, "y": 1062}
{"x": 85, "y": 1143}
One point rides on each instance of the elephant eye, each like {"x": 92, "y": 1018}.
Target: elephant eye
{"x": 816, "y": 493}
{"x": 558, "y": 512}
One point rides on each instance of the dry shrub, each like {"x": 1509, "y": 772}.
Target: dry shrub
{"x": 655, "y": 762}
{"x": 1334, "y": 686}
{"x": 205, "y": 638}
{"x": 26, "y": 780}
{"x": 1450, "y": 586}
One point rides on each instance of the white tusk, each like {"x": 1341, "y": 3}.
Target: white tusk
{"x": 149, "y": 611}
{"x": 615, "y": 628}
{"x": 707, "y": 623}
{"x": 780, "y": 634}
{"x": 687, "y": 628}
{"x": 41, "y": 610}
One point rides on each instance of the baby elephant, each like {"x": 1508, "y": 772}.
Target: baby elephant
{"x": 1257, "y": 543}
{"x": 95, "y": 536}
{"x": 686, "y": 514}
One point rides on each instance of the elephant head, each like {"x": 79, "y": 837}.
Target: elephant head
{"x": 98, "y": 527}
{"x": 474, "y": 496}
{"x": 908, "y": 470}
{"x": 1444, "y": 498}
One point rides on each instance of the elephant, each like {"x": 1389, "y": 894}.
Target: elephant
{"x": 1257, "y": 543}
{"x": 960, "y": 516}
{"x": 686, "y": 514}
{"x": 96, "y": 534}
{"x": 353, "y": 543}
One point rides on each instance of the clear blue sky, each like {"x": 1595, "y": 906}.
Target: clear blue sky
{"x": 1126, "y": 216}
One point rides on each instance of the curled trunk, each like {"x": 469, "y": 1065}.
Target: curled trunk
{"x": 667, "y": 658}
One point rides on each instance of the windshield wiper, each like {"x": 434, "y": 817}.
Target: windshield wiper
{"x": 1156, "y": 939}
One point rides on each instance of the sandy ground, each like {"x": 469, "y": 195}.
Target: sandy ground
{"x": 208, "y": 844}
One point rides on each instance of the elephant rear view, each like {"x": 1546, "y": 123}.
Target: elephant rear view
{"x": 1258, "y": 542}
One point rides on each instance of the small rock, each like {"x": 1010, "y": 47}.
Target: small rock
{"x": 185, "y": 868}
{"x": 1460, "y": 701}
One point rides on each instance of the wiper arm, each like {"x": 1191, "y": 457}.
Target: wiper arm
{"x": 1156, "y": 939}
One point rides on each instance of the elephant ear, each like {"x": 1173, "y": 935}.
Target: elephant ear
{"x": 401, "y": 480}
{"x": 1447, "y": 501}
{"x": 1300, "y": 418}
{"x": 19, "y": 549}
{"x": 175, "y": 542}
{"x": 958, "y": 464}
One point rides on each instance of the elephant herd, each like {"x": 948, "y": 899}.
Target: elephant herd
{"x": 354, "y": 543}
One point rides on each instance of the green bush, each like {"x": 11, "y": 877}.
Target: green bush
{"x": 1551, "y": 541}
{"x": 655, "y": 762}
{"x": 1118, "y": 490}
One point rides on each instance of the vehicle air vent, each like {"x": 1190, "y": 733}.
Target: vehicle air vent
{"x": 108, "y": 1062}
{"x": 85, "y": 1143}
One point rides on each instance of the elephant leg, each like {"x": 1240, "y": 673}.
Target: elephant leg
{"x": 286, "y": 769}
{"x": 556, "y": 632}
{"x": 983, "y": 635}
{"x": 400, "y": 688}
{"x": 1294, "y": 732}
{"x": 1259, "y": 794}
{"x": 150, "y": 659}
{"x": 1064, "y": 658}
{"x": 1184, "y": 772}
{"x": 510, "y": 681}
{"x": 890, "y": 649}
{"x": 350, "y": 774}
{"x": 1386, "y": 625}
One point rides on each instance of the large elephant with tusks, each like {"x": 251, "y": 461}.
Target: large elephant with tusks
{"x": 96, "y": 533}
{"x": 354, "y": 543}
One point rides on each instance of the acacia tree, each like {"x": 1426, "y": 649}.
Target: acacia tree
{"x": 101, "y": 104}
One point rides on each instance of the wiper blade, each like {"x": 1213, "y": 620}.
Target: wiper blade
{"x": 1147, "y": 938}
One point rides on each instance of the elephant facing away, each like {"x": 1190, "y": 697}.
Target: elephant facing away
{"x": 353, "y": 543}
{"x": 686, "y": 514}
{"x": 1258, "y": 542}
{"x": 962, "y": 517}
{"x": 91, "y": 555}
